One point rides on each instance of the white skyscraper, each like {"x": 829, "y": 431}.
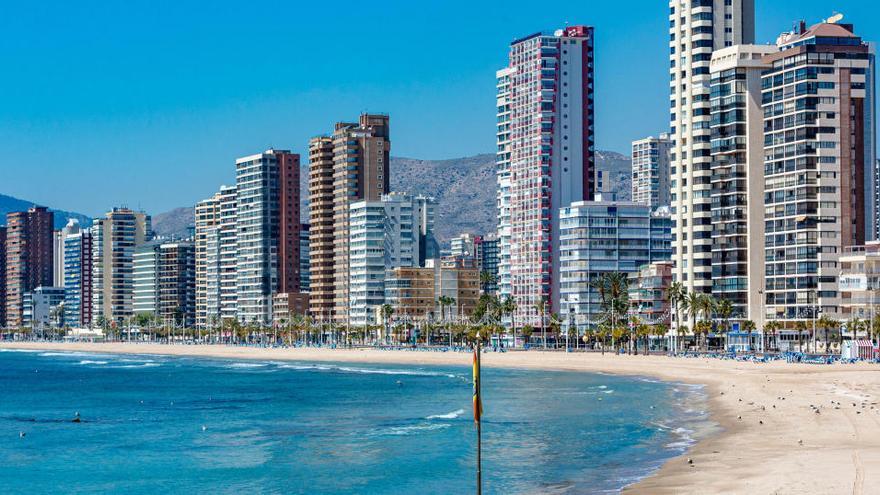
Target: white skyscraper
{"x": 696, "y": 29}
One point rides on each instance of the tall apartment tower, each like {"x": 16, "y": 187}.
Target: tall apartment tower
{"x": 114, "y": 241}
{"x": 502, "y": 171}
{"x": 207, "y": 217}
{"x": 351, "y": 165}
{"x": 267, "y": 229}
{"x": 227, "y": 251}
{"x": 2, "y": 277}
{"x": 164, "y": 282}
{"x": 78, "y": 278}
{"x": 818, "y": 105}
{"x": 545, "y": 158}
{"x": 696, "y": 29}
{"x": 650, "y": 171}
{"x": 737, "y": 178}
{"x": 385, "y": 234}
{"x": 29, "y": 257}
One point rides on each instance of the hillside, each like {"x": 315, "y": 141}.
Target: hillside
{"x": 464, "y": 188}
{"x": 10, "y": 204}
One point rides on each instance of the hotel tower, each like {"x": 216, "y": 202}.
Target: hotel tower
{"x": 545, "y": 159}
{"x": 696, "y": 29}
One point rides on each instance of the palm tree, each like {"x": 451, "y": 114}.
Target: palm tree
{"x": 770, "y": 328}
{"x": 826, "y": 323}
{"x": 508, "y": 307}
{"x": 677, "y": 296}
{"x": 692, "y": 305}
{"x": 613, "y": 291}
{"x": 540, "y": 307}
{"x": 486, "y": 279}
{"x": 748, "y": 327}
{"x": 800, "y": 326}
{"x": 444, "y": 301}
{"x": 387, "y": 311}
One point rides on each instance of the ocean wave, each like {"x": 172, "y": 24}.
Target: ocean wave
{"x": 29, "y": 351}
{"x": 142, "y": 365}
{"x": 413, "y": 429}
{"x": 89, "y": 361}
{"x": 608, "y": 391}
{"x": 451, "y": 415}
{"x": 247, "y": 365}
{"x": 365, "y": 371}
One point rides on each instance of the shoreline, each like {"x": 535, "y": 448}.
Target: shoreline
{"x": 769, "y": 438}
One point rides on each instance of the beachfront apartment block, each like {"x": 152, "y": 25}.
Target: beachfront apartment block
{"x": 267, "y": 232}
{"x": 164, "y": 282}
{"x": 29, "y": 258}
{"x": 859, "y": 282}
{"x": 502, "y": 177}
{"x": 207, "y": 256}
{"x": 819, "y": 159}
{"x": 545, "y": 158}
{"x": 78, "y": 278}
{"x": 696, "y": 29}
{"x": 348, "y": 166}
{"x": 650, "y": 170}
{"x": 737, "y": 178}
{"x": 114, "y": 241}
{"x": 599, "y": 237}
{"x": 43, "y": 308}
{"x": 384, "y": 235}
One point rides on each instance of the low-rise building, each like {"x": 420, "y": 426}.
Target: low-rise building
{"x": 649, "y": 292}
{"x": 43, "y": 308}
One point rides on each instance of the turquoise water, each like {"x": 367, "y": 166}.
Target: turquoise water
{"x": 178, "y": 425}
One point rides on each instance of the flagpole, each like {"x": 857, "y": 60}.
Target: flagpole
{"x": 479, "y": 421}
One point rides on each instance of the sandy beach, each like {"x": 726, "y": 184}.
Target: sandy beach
{"x": 785, "y": 428}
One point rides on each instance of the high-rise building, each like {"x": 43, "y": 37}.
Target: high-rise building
{"x": 305, "y": 278}
{"x": 545, "y": 154}
{"x": 207, "y": 218}
{"x": 351, "y": 165}
{"x": 42, "y": 308}
{"x": 385, "y": 234}
{"x": 78, "y": 278}
{"x": 488, "y": 251}
{"x": 737, "y": 179}
{"x": 114, "y": 241}
{"x": 267, "y": 228}
{"x": 818, "y": 106}
{"x": 164, "y": 282}
{"x": 502, "y": 171}
{"x": 2, "y": 277}
{"x": 600, "y": 237}
{"x": 29, "y": 242}
{"x": 696, "y": 29}
{"x": 464, "y": 245}
{"x": 650, "y": 171}
{"x": 321, "y": 281}
{"x": 227, "y": 251}
{"x": 423, "y": 208}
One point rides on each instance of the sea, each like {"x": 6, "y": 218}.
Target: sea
{"x": 99, "y": 423}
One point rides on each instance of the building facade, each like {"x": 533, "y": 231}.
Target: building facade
{"x": 818, "y": 103}
{"x": 600, "y": 237}
{"x": 29, "y": 258}
{"x": 78, "y": 279}
{"x": 696, "y": 29}
{"x": 349, "y": 166}
{"x": 267, "y": 232}
{"x": 43, "y": 308}
{"x": 207, "y": 218}
{"x": 305, "y": 278}
{"x": 2, "y": 277}
{"x": 650, "y": 170}
{"x": 165, "y": 282}
{"x": 649, "y": 292}
{"x": 545, "y": 156}
{"x": 114, "y": 241}
{"x": 737, "y": 178}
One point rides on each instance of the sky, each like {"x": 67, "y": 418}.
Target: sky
{"x": 147, "y": 104}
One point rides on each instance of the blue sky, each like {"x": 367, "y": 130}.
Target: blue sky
{"x": 148, "y": 103}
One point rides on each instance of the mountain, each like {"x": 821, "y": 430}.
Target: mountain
{"x": 8, "y": 204}
{"x": 174, "y": 223}
{"x": 464, "y": 188}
